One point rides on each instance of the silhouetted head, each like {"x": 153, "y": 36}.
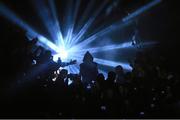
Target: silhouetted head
{"x": 111, "y": 75}
{"x": 77, "y": 79}
{"x": 48, "y": 55}
{"x": 119, "y": 69}
{"x": 39, "y": 51}
{"x": 63, "y": 73}
{"x": 100, "y": 77}
{"x": 34, "y": 41}
{"x": 88, "y": 57}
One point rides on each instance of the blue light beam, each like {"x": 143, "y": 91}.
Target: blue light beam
{"x": 73, "y": 20}
{"x": 124, "y": 22}
{"x": 93, "y": 37}
{"x": 110, "y": 63}
{"x": 45, "y": 17}
{"x": 52, "y": 25}
{"x": 104, "y": 48}
{"x": 86, "y": 12}
{"x": 8, "y": 14}
{"x": 88, "y": 24}
{"x": 60, "y": 40}
{"x": 126, "y": 66}
{"x": 141, "y": 10}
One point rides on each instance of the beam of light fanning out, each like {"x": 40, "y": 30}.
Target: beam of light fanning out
{"x": 125, "y": 21}
{"x": 60, "y": 40}
{"x": 7, "y": 13}
{"x": 110, "y": 63}
{"x": 103, "y": 48}
{"x": 89, "y": 23}
{"x": 74, "y": 45}
{"x": 73, "y": 21}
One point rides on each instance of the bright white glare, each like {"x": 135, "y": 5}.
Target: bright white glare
{"x": 62, "y": 54}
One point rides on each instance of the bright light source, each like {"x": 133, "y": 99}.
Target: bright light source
{"x": 75, "y": 45}
{"x": 63, "y": 54}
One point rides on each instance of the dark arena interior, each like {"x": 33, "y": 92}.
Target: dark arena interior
{"x": 89, "y": 59}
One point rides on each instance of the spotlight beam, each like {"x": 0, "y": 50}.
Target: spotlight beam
{"x": 45, "y": 17}
{"x": 110, "y": 63}
{"x": 77, "y": 51}
{"x": 76, "y": 70}
{"x": 141, "y": 10}
{"x": 89, "y": 23}
{"x": 86, "y": 12}
{"x": 109, "y": 47}
{"x": 68, "y": 19}
{"x": 124, "y": 22}
{"x": 125, "y": 45}
{"x": 71, "y": 69}
{"x": 7, "y": 13}
{"x": 60, "y": 40}
{"x": 90, "y": 39}
{"x": 113, "y": 64}
{"x": 49, "y": 21}
{"x": 71, "y": 29}
{"x": 104, "y": 48}
{"x": 48, "y": 44}
{"x": 77, "y": 66}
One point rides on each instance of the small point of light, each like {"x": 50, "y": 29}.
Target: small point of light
{"x": 54, "y": 79}
{"x": 89, "y": 86}
{"x": 152, "y": 105}
{"x": 34, "y": 62}
{"x": 93, "y": 82}
{"x": 141, "y": 113}
{"x": 69, "y": 82}
{"x": 103, "y": 107}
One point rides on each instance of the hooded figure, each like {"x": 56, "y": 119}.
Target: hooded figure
{"x": 88, "y": 69}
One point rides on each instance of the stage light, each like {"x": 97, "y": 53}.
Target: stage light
{"x": 71, "y": 45}
{"x": 62, "y": 54}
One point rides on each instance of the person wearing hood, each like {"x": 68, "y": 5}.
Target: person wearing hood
{"x": 88, "y": 69}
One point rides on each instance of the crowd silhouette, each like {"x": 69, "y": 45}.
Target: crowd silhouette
{"x": 41, "y": 89}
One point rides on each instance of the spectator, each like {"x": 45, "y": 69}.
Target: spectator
{"x": 88, "y": 69}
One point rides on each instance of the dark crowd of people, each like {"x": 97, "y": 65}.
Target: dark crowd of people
{"x": 41, "y": 88}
